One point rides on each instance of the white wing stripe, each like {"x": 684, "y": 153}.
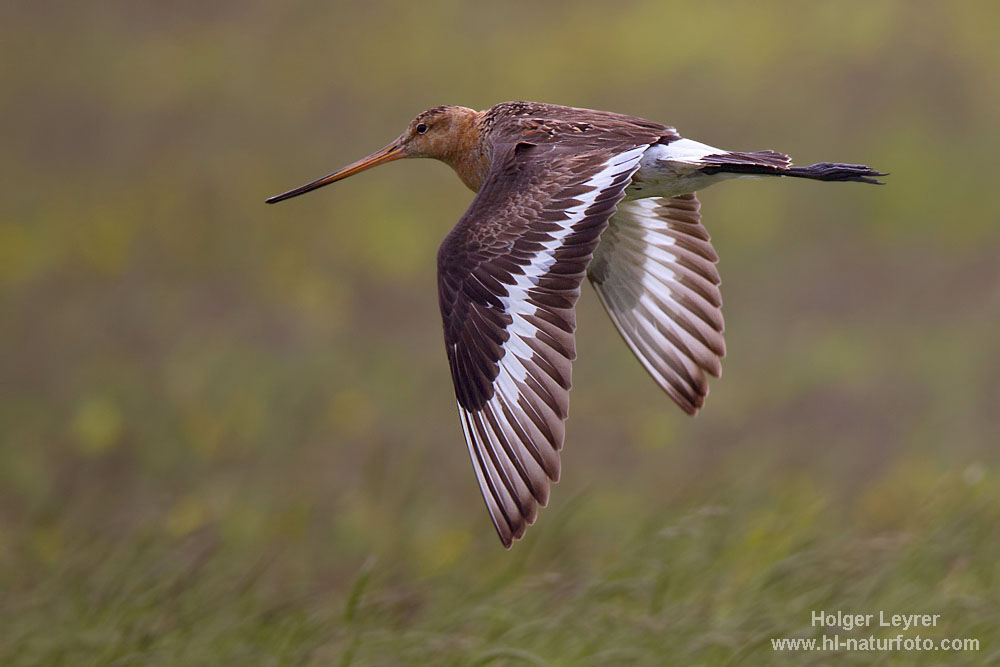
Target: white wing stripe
{"x": 514, "y": 439}
{"x": 516, "y": 303}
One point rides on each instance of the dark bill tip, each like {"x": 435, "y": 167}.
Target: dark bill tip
{"x": 393, "y": 151}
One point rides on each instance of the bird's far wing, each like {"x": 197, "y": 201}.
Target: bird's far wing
{"x": 509, "y": 275}
{"x": 655, "y": 273}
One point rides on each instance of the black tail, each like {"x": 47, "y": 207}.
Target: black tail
{"x": 837, "y": 171}
{"x": 770, "y": 163}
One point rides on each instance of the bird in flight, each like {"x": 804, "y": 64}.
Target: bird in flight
{"x": 563, "y": 193}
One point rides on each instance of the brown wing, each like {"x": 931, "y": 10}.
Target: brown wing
{"x": 655, "y": 273}
{"x": 572, "y": 126}
{"x": 509, "y": 275}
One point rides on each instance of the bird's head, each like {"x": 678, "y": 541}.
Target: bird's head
{"x": 443, "y": 133}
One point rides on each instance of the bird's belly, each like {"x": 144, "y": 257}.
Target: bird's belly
{"x": 666, "y": 171}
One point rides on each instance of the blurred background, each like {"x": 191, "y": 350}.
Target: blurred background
{"x": 227, "y": 430}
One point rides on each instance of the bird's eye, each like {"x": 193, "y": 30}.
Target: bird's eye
{"x": 421, "y": 128}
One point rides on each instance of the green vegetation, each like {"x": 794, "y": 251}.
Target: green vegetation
{"x": 227, "y": 431}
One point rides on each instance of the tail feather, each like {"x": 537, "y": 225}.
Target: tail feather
{"x": 837, "y": 171}
{"x": 771, "y": 163}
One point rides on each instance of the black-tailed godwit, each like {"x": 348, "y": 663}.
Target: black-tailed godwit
{"x": 562, "y": 193}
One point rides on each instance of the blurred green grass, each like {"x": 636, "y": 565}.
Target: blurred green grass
{"x": 227, "y": 431}
{"x": 695, "y": 584}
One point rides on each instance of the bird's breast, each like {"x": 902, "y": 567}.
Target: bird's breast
{"x": 471, "y": 165}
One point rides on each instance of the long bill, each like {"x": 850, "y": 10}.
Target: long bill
{"x": 393, "y": 151}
